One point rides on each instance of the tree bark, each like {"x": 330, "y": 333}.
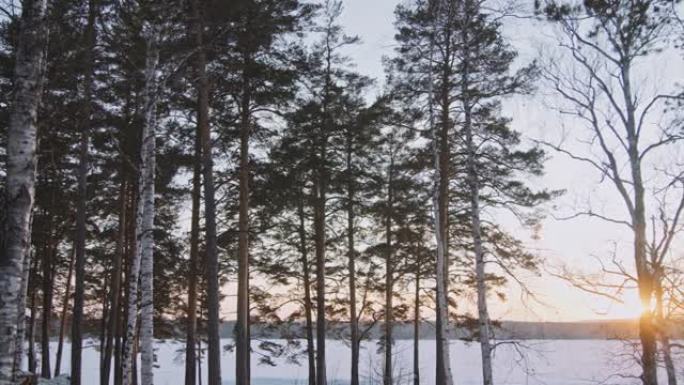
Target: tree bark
{"x": 242, "y": 365}
{"x": 146, "y": 235}
{"x": 105, "y": 315}
{"x": 142, "y": 264}
{"x": 308, "y": 305}
{"x": 31, "y": 328}
{"x": 389, "y": 273}
{"x": 202, "y": 117}
{"x": 440, "y": 199}
{"x": 31, "y": 332}
{"x": 191, "y": 335}
{"x": 133, "y": 190}
{"x": 319, "y": 235}
{"x": 647, "y": 333}
{"x": 113, "y": 319}
{"x": 119, "y": 338}
{"x": 20, "y": 177}
{"x": 199, "y": 361}
{"x": 663, "y": 330}
{"x": 131, "y": 252}
{"x": 320, "y": 186}
{"x": 63, "y": 317}
{"x": 77, "y": 318}
{"x": 351, "y": 257}
{"x": 484, "y": 325}
{"x": 476, "y": 234}
{"x": 86, "y": 123}
{"x": 212, "y": 265}
{"x": 440, "y": 203}
{"x": 48, "y": 286}
{"x": 21, "y": 317}
{"x": 416, "y": 330}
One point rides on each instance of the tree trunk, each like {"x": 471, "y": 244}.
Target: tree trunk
{"x": 136, "y": 349}
{"x": 663, "y": 330}
{"x": 320, "y": 187}
{"x": 199, "y": 361}
{"x": 125, "y": 291}
{"x": 77, "y": 317}
{"x": 191, "y": 335}
{"x": 31, "y": 333}
{"x": 483, "y": 313}
{"x": 21, "y": 176}
{"x": 146, "y": 237}
{"x": 63, "y": 317}
{"x": 113, "y": 319}
{"x": 351, "y": 256}
{"x": 310, "y": 349}
{"x": 212, "y": 265}
{"x": 647, "y": 333}
{"x": 31, "y": 329}
{"x": 242, "y": 365}
{"x": 389, "y": 273}
{"x": 319, "y": 235}
{"x": 48, "y": 286}
{"x": 484, "y": 325}
{"x": 476, "y": 234}
{"x": 669, "y": 362}
{"x": 440, "y": 199}
{"x": 142, "y": 264}
{"x": 416, "y": 330}
{"x": 86, "y": 123}
{"x": 21, "y": 317}
{"x": 440, "y": 207}
{"x": 103, "y": 318}
{"x": 202, "y": 116}
{"x": 119, "y": 339}
{"x": 129, "y": 253}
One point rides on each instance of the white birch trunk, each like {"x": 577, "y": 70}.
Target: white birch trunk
{"x": 484, "y": 326}
{"x": 476, "y": 233}
{"x": 21, "y": 316}
{"x": 143, "y": 262}
{"x": 21, "y": 175}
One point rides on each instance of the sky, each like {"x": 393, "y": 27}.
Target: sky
{"x": 576, "y": 243}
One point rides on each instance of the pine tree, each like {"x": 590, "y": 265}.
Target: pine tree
{"x": 491, "y": 163}
{"x": 355, "y": 143}
{"x": 288, "y": 213}
{"x": 428, "y": 80}
{"x": 328, "y": 85}
{"x": 81, "y": 215}
{"x": 197, "y": 28}
{"x": 399, "y": 216}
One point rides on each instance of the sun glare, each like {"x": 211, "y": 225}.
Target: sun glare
{"x": 630, "y": 309}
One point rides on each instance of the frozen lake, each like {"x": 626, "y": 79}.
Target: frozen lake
{"x": 549, "y": 362}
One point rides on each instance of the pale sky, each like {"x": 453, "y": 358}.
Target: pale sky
{"x": 573, "y": 243}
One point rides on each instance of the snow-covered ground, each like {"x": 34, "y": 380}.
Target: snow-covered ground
{"x": 574, "y": 362}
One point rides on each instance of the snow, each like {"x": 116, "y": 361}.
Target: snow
{"x": 559, "y": 362}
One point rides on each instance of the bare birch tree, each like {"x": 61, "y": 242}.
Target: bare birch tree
{"x": 605, "y": 42}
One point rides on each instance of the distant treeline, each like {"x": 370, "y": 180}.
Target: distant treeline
{"x": 609, "y": 329}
